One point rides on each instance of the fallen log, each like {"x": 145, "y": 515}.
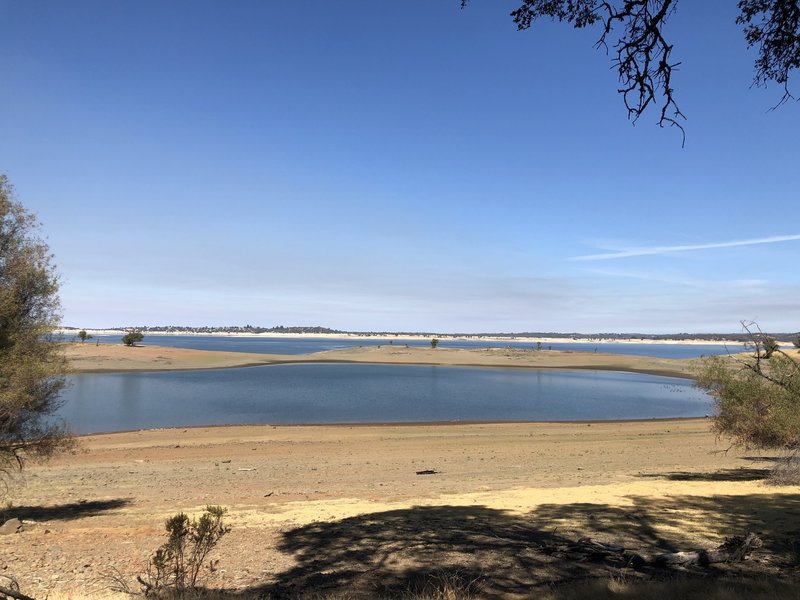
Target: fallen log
{"x": 734, "y": 549}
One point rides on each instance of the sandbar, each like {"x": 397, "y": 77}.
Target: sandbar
{"x": 91, "y": 358}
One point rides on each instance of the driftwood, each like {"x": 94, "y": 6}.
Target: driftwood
{"x": 6, "y": 592}
{"x": 734, "y": 549}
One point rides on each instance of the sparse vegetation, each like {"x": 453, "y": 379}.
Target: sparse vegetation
{"x": 132, "y": 338}
{"x": 434, "y": 342}
{"x": 83, "y": 336}
{"x": 175, "y": 567}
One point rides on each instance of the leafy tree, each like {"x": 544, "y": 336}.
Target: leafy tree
{"x": 434, "y": 342}
{"x": 31, "y": 364}
{"x": 758, "y": 398}
{"x": 83, "y": 336}
{"x": 132, "y": 337}
{"x": 643, "y": 55}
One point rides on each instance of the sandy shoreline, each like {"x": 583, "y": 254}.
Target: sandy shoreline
{"x": 90, "y": 358}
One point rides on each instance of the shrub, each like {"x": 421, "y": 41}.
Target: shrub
{"x": 132, "y": 337}
{"x": 175, "y": 567}
{"x": 434, "y": 342}
{"x": 757, "y": 402}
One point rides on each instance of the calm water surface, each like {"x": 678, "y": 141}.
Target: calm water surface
{"x": 309, "y": 345}
{"x": 349, "y": 393}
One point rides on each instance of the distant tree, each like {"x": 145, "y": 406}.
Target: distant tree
{"x": 83, "y": 336}
{"x": 643, "y": 55}
{"x": 758, "y": 398}
{"x": 434, "y": 342}
{"x": 32, "y": 366}
{"x": 769, "y": 345}
{"x": 132, "y": 338}
{"x": 796, "y": 342}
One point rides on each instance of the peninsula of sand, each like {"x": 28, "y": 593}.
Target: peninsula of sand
{"x": 91, "y": 358}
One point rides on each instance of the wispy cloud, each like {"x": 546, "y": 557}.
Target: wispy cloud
{"x": 655, "y": 250}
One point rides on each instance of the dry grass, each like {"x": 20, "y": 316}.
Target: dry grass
{"x": 786, "y": 472}
{"x": 689, "y": 589}
{"x": 452, "y": 588}
{"x": 606, "y": 589}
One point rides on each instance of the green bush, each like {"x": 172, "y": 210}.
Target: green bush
{"x": 132, "y": 337}
{"x": 757, "y": 402}
{"x": 175, "y": 567}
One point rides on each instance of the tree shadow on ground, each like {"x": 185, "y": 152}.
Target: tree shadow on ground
{"x": 740, "y": 474}
{"x": 64, "y": 512}
{"x": 394, "y": 552}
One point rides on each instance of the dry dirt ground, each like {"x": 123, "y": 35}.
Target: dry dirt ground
{"x": 328, "y": 508}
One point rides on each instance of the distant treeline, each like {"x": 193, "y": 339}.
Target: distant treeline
{"x": 227, "y": 329}
{"x": 720, "y": 337}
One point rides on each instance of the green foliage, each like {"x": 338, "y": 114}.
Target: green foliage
{"x": 769, "y": 345}
{"x": 434, "y": 342}
{"x": 757, "y": 401}
{"x": 32, "y": 366}
{"x": 132, "y": 337}
{"x": 83, "y": 336}
{"x": 175, "y": 567}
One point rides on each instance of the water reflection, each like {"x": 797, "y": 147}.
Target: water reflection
{"x": 337, "y": 393}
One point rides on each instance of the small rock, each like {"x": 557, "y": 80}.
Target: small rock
{"x": 11, "y": 526}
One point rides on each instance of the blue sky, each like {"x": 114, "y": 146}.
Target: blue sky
{"x": 393, "y": 166}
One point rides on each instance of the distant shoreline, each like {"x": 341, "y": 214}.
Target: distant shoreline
{"x": 412, "y": 337}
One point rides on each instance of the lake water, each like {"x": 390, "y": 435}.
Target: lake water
{"x": 281, "y": 345}
{"x": 350, "y": 393}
